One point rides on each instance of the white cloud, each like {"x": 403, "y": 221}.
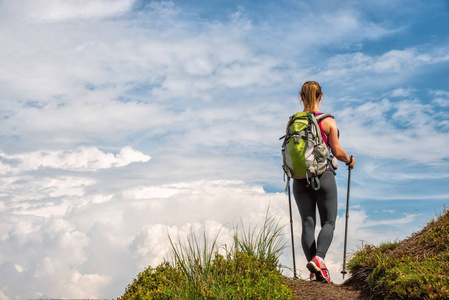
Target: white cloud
{"x": 148, "y": 250}
{"x": 388, "y": 69}
{"x": 95, "y": 116}
{"x": 125, "y": 229}
{"x": 121, "y": 76}
{"x": 5, "y": 169}
{"x": 81, "y": 159}
{"x": 400, "y": 61}
{"x": 131, "y": 227}
{"x": 308, "y": 27}
{"x": 50, "y": 256}
{"x": 441, "y": 98}
{"x": 401, "y": 92}
{"x": 60, "y": 10}
{"x": 395, "y": 130}
{"x": 86, "y": 285}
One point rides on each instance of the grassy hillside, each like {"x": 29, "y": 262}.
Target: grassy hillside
{"x": 249, "y": 270}
{"x": 415, "y": 268}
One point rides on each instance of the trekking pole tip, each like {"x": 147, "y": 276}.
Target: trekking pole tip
{"x": 344, "y": 273}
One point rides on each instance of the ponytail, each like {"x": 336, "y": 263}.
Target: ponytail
{"x": 310, "y": 93}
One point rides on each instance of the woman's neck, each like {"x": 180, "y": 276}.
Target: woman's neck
{"x": 314, "y": 109}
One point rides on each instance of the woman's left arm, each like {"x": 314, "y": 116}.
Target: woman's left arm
{"x": 330, "y": 129}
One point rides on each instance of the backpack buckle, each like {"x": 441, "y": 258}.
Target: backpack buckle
{"x": 315, "y": 183}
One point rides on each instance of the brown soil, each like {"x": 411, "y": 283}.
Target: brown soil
{"x": 310, "y": 290}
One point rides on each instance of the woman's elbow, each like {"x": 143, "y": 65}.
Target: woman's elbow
{"x": 338, "y": 153}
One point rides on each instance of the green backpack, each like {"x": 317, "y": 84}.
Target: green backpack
{"x": 305, "y": 155}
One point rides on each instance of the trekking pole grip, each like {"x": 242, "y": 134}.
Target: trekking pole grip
{"x": 350, "y": 162}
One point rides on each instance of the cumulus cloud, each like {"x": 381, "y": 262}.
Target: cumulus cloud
{"x": 74, "y": 245}
{"x": 35, "y": 220}
{"x": 27, "y": 192}
{"x": 51, "y": 251}
{"x": 96, "y": 249}
{"x": 81, "y": 159}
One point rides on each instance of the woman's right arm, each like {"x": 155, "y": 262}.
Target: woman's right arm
{"x": 330, "y": 128}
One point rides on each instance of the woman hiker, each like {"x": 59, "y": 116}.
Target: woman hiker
{"x": 325, "y": 198}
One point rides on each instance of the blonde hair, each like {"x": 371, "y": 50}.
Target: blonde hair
{"x": 310, "y": 93}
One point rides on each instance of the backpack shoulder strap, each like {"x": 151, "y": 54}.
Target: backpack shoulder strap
{"x": 321, "y": 117}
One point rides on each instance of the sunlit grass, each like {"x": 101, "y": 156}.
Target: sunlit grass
{"x": 202, "y": 269}
{"x": 416, "y": 268}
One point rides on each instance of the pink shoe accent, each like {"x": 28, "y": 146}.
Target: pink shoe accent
{"x": 320, "y": 270}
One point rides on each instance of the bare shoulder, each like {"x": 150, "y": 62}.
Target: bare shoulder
{"x": 327, "y": 124}
{"x": 329, "y": 120}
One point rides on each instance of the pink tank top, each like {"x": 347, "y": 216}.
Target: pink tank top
{"x": 323, "y": 134}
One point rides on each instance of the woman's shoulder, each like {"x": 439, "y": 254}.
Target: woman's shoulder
{"x": 329, "y": 120}
{"x": 328, "y": 123}
{"x": 325, "y": 117}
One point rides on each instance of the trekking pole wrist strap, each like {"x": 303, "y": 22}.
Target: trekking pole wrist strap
{"x": 350, "y": 160}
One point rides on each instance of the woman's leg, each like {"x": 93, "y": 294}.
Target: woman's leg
{"x": 307, "y": 209}
{"x": 327, "y": 206}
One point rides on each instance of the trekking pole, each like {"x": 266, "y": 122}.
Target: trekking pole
{"x": 346, "y": 223}
{"x": 291, "y": 228}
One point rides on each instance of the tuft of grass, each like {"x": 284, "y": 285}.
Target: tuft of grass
{"x": 249, "y": 270}
{"x": 416, "y": 268}
{"x": 266, "y": 244}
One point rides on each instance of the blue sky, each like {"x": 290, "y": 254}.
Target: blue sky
{"x": 122, "y": 120}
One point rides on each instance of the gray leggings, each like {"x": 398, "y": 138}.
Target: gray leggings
{"x": 308, "y": 200}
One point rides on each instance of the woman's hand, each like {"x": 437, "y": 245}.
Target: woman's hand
{"x": 351, "y": 162}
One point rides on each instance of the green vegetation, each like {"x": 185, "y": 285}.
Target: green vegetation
{"x": 416, "y": 268}
{"x": 250, "y": 269}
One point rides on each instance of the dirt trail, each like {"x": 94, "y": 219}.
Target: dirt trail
{"x": 310, "y": 290}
